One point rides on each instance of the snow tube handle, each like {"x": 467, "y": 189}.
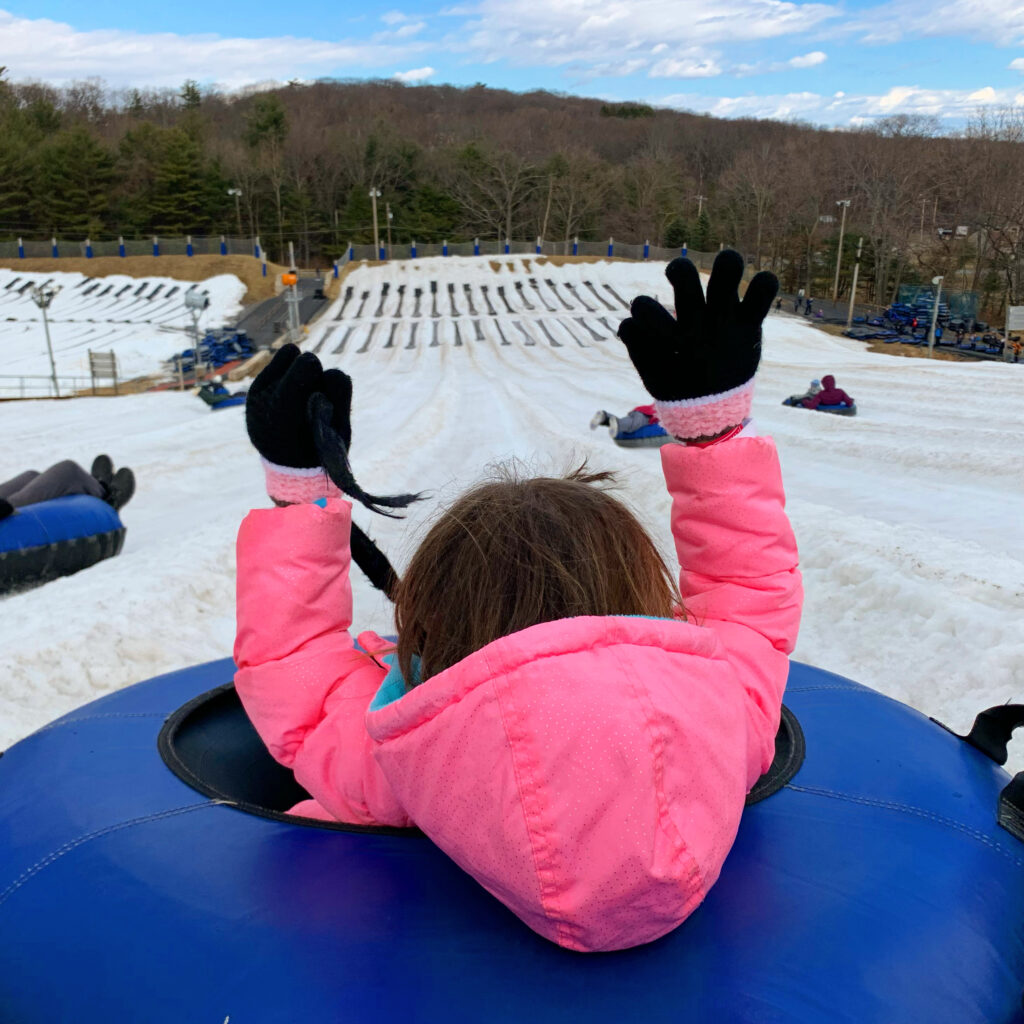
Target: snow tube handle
{"x": 993, "y": 728}
{"x": 991, "y": 732}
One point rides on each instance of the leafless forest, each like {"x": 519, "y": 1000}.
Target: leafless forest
{"x": 458, "y": 163}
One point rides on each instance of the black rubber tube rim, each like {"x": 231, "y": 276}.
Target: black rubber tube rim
{"x": 790, "y": 750}
{"x": 169, "y": 754}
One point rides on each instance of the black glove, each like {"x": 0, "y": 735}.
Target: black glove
{"x": 276, "y": 410}
{"x": 713, "y": 345}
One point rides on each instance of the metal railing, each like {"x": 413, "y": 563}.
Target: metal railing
{"x": 233, "y": 245}
{"x": 29, "y": 385}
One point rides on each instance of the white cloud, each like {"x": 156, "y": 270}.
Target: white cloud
{"x": 686, "y": 67}
{"x": 414, "y": 75}
{"x": 56, "y": 52}
{"x": 1017, "y": 65}
{"x": 843, "y": 108}
{"x": 808, "y": 60}
{"x": 582, "y": 34}
{"x": 393, "y": 18}
{"x": 410, "y": 28}
{"x": 996, "y": 21}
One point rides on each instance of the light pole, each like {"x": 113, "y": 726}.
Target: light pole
{"x": 195, "y": 302}
{"x": 237, "y": 193}
{"x": 374, "y": 196}
{"x": 853, "y": 287}
{"x": 42, "y": 296}
{"x": 845, "y": 204}
{"x": 387, "y": 207}
{"x": 937, "y": 281}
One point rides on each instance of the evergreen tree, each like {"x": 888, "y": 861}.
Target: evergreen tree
{"x": 190, "y": 95}
{"x": 266, "y": 124}
{"x": 72, "y": 175}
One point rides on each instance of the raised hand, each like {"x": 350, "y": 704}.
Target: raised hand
{"x": 275, "y": 410}
{"x": 700, "y": 366}
{"x": 713, "y": 344}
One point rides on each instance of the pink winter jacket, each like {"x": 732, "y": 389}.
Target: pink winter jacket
{"x": 589, "y": 772}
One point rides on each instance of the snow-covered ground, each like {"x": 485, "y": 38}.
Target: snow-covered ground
{"x": 910, "y": 517}
{"x": 142, "y": 319}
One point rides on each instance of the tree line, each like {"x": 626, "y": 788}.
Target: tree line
{"x": 458, "y": 163}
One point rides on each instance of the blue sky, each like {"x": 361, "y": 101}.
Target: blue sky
{"x": 829, "y": 63}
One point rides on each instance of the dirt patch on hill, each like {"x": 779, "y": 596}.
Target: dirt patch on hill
{"x": 247, "y": 269}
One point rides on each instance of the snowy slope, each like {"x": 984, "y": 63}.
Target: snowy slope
{"x": 142, "y": 319}
{"x": 909, "y": 516}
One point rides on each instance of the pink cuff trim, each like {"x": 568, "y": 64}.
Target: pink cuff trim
{"x": 298, "y": 486}
{"x": 710, "y": 414}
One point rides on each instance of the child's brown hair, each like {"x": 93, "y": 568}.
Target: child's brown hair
{"x": 512, "y": 553}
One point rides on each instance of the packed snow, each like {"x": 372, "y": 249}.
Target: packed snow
{"x": 143, "y": 320}
{"x": 909, "y": 516}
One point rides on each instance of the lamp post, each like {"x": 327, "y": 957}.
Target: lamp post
{"x": 853, "y": 287}
{"x": 387, "y": 207}
{"x": 845, "y": 204}
{"x": 937, "y": 281}
{"x": 374, "y": 196}
{"x": 42, "y": 296}
{"x": 237, "y": 193}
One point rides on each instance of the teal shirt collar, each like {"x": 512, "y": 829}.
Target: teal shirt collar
{"x": 394, "y": 685}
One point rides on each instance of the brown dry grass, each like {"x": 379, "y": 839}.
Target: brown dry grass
{"x": 247, "y": 269}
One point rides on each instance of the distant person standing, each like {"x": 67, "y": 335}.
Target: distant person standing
{"x": 807, "y": 306}
{"x": 778, "y": 305}
{"x": 797, "y": 301}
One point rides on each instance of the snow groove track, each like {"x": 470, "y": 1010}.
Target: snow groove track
{"x": 143, "y": 321}
{"x": 555, "y": 309}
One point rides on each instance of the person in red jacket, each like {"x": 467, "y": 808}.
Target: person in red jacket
{"x": 829, "y": 395}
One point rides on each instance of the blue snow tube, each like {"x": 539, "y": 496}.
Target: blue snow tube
{"x": 836, "y": 410}
{"x": 653, "y": 435}
{"x": 55, "y": 538}
{"x": 873, "y": 886}
{"x": 228, "y": 402}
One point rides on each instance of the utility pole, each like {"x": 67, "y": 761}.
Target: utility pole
{"x": 845, "y": 204}
{"x": 374, "y": 196}
{"x": 547, "y": 208}
{"x": 937, "y": 281}
{"x": 237, "y": 193}
{"x": 42, "y": 296}
{"x": 853, "y": 288}
{"x": 290, "y": 281}
{"x": 387, "y": 208}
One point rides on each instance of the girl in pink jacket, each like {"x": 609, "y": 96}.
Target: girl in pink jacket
{"x": 572, "y": 730}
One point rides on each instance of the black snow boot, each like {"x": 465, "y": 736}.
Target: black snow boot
{"x": 6, "y": 508}
{"x": 121, "y": 488}
{"x": 102, "y": 469}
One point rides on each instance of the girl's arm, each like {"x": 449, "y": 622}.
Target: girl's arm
{"x": 739, "y": 571}
{"x": 300, "y": 677}
{"x": 302, "y": 681}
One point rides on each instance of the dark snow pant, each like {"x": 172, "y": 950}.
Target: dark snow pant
{"x": 632, "y": 421}
{"x": 59, "y": 480}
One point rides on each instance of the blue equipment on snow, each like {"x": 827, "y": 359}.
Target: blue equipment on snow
{"x": 653, "y": 435}
{"x": 55, "y": 538}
